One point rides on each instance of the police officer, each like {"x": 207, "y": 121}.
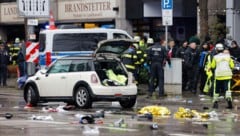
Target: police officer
{"x": 129, "y": 59}
{"x": 191, "y": 60}
{"x": 180, "y": 54}
{"x": 157, "y": 56}
{"x": 21, "y": 61}
{"x": 222, "y": 65}
{"x": 4, "y": 60}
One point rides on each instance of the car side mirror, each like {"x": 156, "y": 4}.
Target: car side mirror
{"x": 43, "y": 71}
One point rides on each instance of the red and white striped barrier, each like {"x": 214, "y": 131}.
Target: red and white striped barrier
{"x": 32, "y": 52}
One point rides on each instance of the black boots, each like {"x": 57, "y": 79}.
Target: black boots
{"x": 215, "y": 105}
{"x": 229, "y": 102}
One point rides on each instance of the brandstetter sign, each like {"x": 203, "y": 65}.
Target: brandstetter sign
{"x": 86, "y": 9}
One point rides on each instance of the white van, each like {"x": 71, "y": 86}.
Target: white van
{"x": 64, "y": 42}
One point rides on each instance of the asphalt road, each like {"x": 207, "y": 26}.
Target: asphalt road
{"x": 66, "y": 124}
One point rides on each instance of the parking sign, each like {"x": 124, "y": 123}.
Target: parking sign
{"x": 167, "y": 4}
{"x": 167, "y": 12}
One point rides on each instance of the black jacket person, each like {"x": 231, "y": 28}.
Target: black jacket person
{"x": 4, "y": 60}
{"x": 191, "y": 61}
{"x": 157, "y": 56}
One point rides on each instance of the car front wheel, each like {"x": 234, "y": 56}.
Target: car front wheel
{"x": 82, "y": 98}
{"x": 128, "y": 103}
{"x": 30, "y": 95}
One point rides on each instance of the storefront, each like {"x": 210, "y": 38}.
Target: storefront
{"x": 146, "y": 16}
{"x": 84, "y": 13}
{"x": 87, "y": 13}
{"x": 11, "y": 24}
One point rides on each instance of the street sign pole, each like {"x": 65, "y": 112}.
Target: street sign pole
{"x": 166, "y": 36}
{"x": 167, "y": 16}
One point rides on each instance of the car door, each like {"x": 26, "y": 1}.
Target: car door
{"x": 55, "y": 81}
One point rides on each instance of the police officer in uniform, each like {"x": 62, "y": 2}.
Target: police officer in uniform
{"x": 222, "y": 65}
{"x": 180, "y": 54}
{"x": 4, "y": 60}
{"x": 191, "y": 60}
{"x": 157, "y": 56}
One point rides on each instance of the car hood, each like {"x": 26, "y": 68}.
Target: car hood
{"x": 112, "y": 48}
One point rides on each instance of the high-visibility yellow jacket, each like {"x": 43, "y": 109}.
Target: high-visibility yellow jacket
{"x": 223, "y": 65}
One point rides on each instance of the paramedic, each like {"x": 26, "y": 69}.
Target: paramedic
{"x": 223, "y": 65}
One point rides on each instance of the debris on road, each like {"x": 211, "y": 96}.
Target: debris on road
{"x": 90, "y": 131}
{"x": 119, "y": 123}
{"x": 154, "y": 126}
{"x": 85, "y": 119}
{"x": 145, "y": 117}
{"x": 50, "y": 109}
{"x": 155, "y": 110}
{"x": 43, "y": 118}
{"x": 8, "y": 115}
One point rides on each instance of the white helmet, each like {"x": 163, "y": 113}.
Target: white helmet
{"x": 17, "y": 40}
{"x": 135, "y": 45}
{"x": 150, "y": 41}
{"x": 137, "y": 38}
{"x": 219, "y": 47}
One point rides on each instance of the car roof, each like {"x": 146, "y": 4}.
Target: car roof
{"x": 92, "y": 30}
{"x": 76, "y": 57}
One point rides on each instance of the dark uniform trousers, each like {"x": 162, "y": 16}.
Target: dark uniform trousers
{"x": 157, "y": 72}
{"x": 3, "y": 74}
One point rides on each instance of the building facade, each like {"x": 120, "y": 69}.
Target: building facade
{"x": 85, "y": 13}
{"x": 146, "y": 18}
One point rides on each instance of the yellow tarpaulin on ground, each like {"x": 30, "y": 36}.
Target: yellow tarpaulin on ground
{"x": 183, "y": 113}
{"x": 155, "y": 110}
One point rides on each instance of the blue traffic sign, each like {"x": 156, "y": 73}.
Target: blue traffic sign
{"x": 167, "y": 4}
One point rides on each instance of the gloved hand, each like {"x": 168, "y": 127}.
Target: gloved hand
{"x": 146, "y": 66}
{"x": 170, "y": 65}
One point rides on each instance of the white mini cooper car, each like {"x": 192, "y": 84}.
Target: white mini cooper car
{"x": 84, "y": 79}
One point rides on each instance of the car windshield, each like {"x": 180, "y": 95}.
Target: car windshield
{"x": 117, "y": 47}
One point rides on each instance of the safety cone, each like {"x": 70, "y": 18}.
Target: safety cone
{"x": 51, "y": 22}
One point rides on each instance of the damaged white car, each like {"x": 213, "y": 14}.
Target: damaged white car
{"x": 84, "y": 79}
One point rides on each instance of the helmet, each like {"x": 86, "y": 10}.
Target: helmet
{"x": 219, "y": 47}
{"x": 135, "y": 45}
{"x": 150, "y": 41}
{"x": 17, "y": 40}
{"x": 137, "y": 38}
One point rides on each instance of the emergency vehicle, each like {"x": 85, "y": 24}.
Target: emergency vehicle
{"x": 57, "y": 43}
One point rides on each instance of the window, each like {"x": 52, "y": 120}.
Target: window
{"x": 42, "y": 42}
{"x": 60, "y": 66}
{"x": 77, "y": 42}
{"x": 120, "y": 36}
{"x": 79, "y": 65}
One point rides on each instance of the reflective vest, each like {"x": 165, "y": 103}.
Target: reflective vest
{"x": 129, "y": 59}
{"x": 141, "y": 55}
{"x": 223, "y": 65}
{"x": 13, "y": 52}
